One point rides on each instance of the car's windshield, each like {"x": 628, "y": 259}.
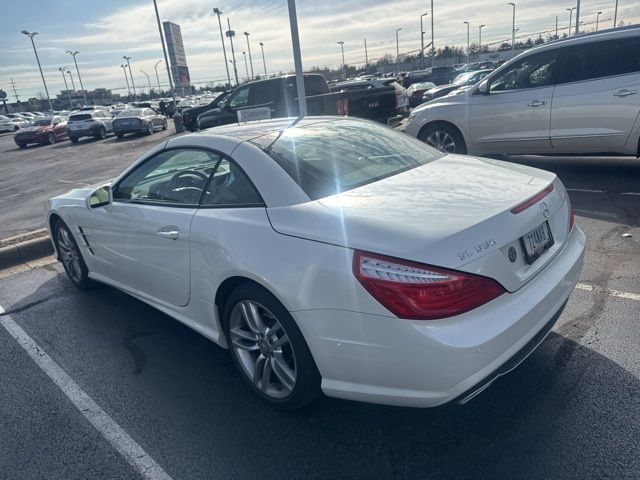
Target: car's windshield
{"x": 134, "y": 112}
{"x": 41, "y": 122}
{"x": 332, "y": 157}
{"x": 463, "y": 78}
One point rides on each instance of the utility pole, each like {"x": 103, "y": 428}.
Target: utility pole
{"x": 230, "y": 33}
{"x": 31, "y": 35}
{"x": 598, "y": 19}
{"x": 513, "y": 26}
{"x": 615, "y": 16}
{"x": 148, "y": 80}
{"x": 344, "y": 72}
{"x": 264, "y": 64}
{"x": 433, "y": 42}
{"x": 246, "y": 67}
{"x": 15, "y": 93}
{"x": 480, "y": 39}
{"x": 397, "y": 51}
{"x": 249, "y": 50}
{"x": 570, "y": 10}
{"x": 577, "y": 17}
{"x": 155, "y": 67}
{"x": 556, "y": 27}
{"x": 218, "y": 12}
{"x": 84, "y": 94}
{"x": 297, "y": 58}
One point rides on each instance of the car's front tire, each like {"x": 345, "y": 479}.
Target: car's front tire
{"x": 70, "y": 256}
{"x": 51, "y": 139}
{"x": 443, "y": 137}
{"x": 101, "y": 133}
{"x": 268, "y": 348}
{"x": 21, "y": 145}
{"x": 73, "y": 139}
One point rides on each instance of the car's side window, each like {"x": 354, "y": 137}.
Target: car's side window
{"x": 230, "y": 187}
{"x": 592, "y": 60}
{"x": 531, "y": 72}
{"x": 176, "y": 177}
{"x": 240, "y": 98}
{"x": 630, "y": 62}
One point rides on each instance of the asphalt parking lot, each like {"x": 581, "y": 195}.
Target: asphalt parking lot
{"x": 569, "y": 411}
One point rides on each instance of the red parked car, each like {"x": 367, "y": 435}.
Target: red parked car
{"x": 45, "y": 130}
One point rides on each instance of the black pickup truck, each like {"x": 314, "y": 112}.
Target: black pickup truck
{"x": 279, "y": 95}
{"x": 190, "y": 115}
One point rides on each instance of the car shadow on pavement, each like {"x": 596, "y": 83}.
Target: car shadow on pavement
{"x": 566, "y": 412}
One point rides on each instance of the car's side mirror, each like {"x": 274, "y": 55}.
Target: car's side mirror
{"x": 100, "y": 197}
{"x": 222, "y": 105}
{"x": 483, "y": 88}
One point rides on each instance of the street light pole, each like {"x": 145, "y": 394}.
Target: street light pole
{"x": 397, "y": 51}
{"x": 577, "y": 17}
{"x": 230, "y": 33}
{"x": 249, "y": 50}
{"x": 148, "y": 80}
{"x": 73, "y": 84}
{"x": 46, "y": 91}
{"x": 246, "y": 67}
{"x": 422, "y": 42}
{"x": 366, "y": 54}
{"x": 177, "y": 123}
{"x": 218, "y": 12}
{"x": 297, "y": 58}
{"x": 556, "y": 27}
{"x": 598, "y": 19}
{"x": 66, "y": 87}
{"x": 480, "y": 39}
{"x": 155, "y": 67}
{"x": 84, "y": 93}
{"x": 468, "y": 53}
{"x": 133, "y": 85}
{"x": 615, "y": 15}
{"x": 343, "y": 70}
{"x": 264, "y": 64}
{"x": 570, "y": 10}
{"x": 433, "y": 42}
{"x": 513, "y": 26}
{"x": 126, "y": 78}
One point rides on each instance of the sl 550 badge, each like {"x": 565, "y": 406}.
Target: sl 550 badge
{"x": 478, "y": 248}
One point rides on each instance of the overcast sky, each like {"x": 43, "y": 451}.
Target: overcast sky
{"x": 104, "y": 31}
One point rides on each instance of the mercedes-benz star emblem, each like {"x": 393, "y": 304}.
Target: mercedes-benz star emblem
{"x": 544, "y": 208}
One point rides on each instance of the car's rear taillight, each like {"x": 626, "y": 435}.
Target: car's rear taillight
{"x": 532, "y": 201}
{"x": 421, "y": 292}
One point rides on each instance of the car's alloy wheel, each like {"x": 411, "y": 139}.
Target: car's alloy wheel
{"x": 150, "y": 128}
{"x": 442, "y": 141}
{"x": 263, "y": 349}
{"x": 102, "y": 133}
{"x": 71, "y": 257}
{"x": 268, "y": 348}
{"x": 51, "y": 139}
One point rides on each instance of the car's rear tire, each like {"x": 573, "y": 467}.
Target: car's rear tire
{"x": 268, "y": 348}
{"x": 16, "y": 128}
{"x": 101, "y": 133}
{"x": 443, "y": 137}
{"x": 21, "y": 145}
{"x": 51, "y": 138}
{"x": 164, "y": 125}
{"x": 73, "y": 139}
{"x": 150, "y": 129}
{"x": 70, "y": 256}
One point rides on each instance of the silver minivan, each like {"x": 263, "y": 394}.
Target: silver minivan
{"x": 578, "y": 95}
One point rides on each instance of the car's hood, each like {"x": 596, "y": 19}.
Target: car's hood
{"x": 33, "y": 129}
{"x": 460, "y": 98}
{"x": 442, "y": 88}
{"x": 212, "y": 112}
{"x": 428, "y": 214}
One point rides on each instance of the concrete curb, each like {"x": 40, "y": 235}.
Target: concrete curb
{"x": 25, "y": 251}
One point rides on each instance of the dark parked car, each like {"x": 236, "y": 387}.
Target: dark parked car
{"x": 190, "y": 115}
{"x": 462, "y": 80}
{"x": 416, "y": 90}
{"x": 279, "y": 96}
{"x": 42, "y": 130}
{"x": 138, "y": 120}
{"x": 437, "y": 75}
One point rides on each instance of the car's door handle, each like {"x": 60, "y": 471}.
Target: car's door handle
{"x": 624, "y": 93}
{"x": 169, "y": 234}
{"x": 536, "y": 103}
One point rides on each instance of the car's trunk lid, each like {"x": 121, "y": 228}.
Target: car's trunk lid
{"x": 452, "y": 213}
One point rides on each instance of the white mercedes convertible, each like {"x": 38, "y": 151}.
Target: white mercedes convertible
{"x": 334, "y": 255}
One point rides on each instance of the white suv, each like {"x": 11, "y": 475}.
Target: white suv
{"x": 92, "y": 123}
{"x": 580, "y": 95}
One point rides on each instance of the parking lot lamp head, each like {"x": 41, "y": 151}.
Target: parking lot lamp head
{"x": 35, "y": 51}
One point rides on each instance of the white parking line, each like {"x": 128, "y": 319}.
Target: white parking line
{"x": 586, "y": 190}
{"x": 630, "y": 193}
{"x": 613, "y": 293}
{"x": 108, "y": 428}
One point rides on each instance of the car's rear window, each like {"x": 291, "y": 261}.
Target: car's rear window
{"x": 332, "y": 157}
{"x": 80, "y": 116}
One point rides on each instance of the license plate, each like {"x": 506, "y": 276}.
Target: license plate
{"x": 536, "y": 242}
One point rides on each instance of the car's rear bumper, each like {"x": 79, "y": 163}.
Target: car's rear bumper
{"x": 90, "y": 132}
{"x": 29, "y": 139}
{"x": 130, "y": 128}
{"x": 428, "y": 363}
